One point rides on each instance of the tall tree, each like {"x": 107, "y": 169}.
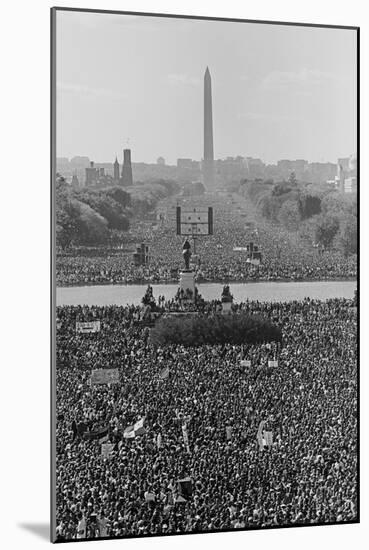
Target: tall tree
{"x": 347, "y": 236}
{"x": 326, "y": 229}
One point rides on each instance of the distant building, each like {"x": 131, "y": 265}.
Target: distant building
{"x": 350, "y": 185}
{"x": 188, "y": 170}
{"x": 161, "y": 161}
{"x": 127, "y": 179}
{"x": 340, "y": 178}
{"x": 184, "y": 164}
{"x": 344, "y": 163}
{"x": 92, "y": 174}
{"x": 299, "y": 166}
{"x": 96, "y": 176}
{"x": 76, "y": 165}
{"x": 80, "y": 162}
{"x": 255, "y": 167}
{"x": 148, "y": 172}
{"x": 346, "y": 178}
{"x": 319, "y": 172}
{"x": 232, "y": 169}
{"x": 285, "y": 165}
{"x": 353, "y": 164}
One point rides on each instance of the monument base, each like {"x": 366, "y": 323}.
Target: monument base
{"x": 226, "y": 307}
{"x": 187, "y": 283}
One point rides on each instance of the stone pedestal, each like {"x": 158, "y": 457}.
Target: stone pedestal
{"x": 187, "y": 282}
{"x": 226, "y": 307}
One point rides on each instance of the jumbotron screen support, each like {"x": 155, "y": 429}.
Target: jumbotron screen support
{"x": 195, "y": 221}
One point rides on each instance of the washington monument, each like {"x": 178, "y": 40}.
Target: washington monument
{"x": 208, "y": 162}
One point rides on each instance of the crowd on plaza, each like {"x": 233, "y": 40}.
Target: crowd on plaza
{"x": 283, "y": 257}
{"x": 200, "y": 422}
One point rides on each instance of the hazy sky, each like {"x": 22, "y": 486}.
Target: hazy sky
{"x": 278, "y": 91}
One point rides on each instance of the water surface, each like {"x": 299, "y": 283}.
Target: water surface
{"x": 102, "y": 295}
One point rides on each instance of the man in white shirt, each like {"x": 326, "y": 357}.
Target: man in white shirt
{"x": 81, "y": 528}
{"x": 103, "y": 525}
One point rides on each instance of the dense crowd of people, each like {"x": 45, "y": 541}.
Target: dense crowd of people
{"x": 283, "y": 255}
{"x": 200, "y": 412}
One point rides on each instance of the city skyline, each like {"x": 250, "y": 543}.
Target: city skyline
{"x": 162, "y": 156}
{"x": 269, "y": 96}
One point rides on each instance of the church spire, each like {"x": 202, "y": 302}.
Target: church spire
{"x": 116, "y": 169}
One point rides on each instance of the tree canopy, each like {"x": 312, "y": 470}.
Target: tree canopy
{"x": 93, "y": 216}
{"x": 321, "y": 214}
{"x": 216, "y": 329}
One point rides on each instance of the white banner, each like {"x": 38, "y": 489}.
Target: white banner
{"x": 134, "y": 430}
{"x": 164, "y": 373}
{"x": 268, "y": 438}
{"x": 107, "y": 449}
{"x": 87, "y": 327}
{"x": 254, "y": 261}
{"x": 185, "y": 437}
{"x": 105, "y": 376}
{"x": 259, "y": 435}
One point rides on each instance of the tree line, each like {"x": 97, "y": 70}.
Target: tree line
{"x": 91, "y": 217}
{"x": 319, "y": 213}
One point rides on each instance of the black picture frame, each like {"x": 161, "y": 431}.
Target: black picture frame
{"x": 53, "y": 153}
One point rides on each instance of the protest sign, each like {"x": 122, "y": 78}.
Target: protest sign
{"x": 228, "y": 433}
{"x": 88, "y": 326}
{"x": 245, "y": 363}
{"x": 105, "y": 376}
{"x": 272, "y": 364}
{"x": 185, "y": 437}
{"x": 107, "y": 449}
{"x": 99, "y": 433}
{"x": 259, "y": 435}
{"x": 136, "y": 429}
{"x": 268, "y": 438}
{"x": 185, "y": 487}
{"x": 164, "y": 373}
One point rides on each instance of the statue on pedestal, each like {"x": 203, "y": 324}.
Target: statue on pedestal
{"x": 227, "y": 300}
{"x": 187, "y": 291}
{"x": 226, "y": 294}
{"x": 186, "y": 251}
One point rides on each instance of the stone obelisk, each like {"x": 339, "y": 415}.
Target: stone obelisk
{"x": 208, "y": 161}
{"x": 127, "y": 168}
